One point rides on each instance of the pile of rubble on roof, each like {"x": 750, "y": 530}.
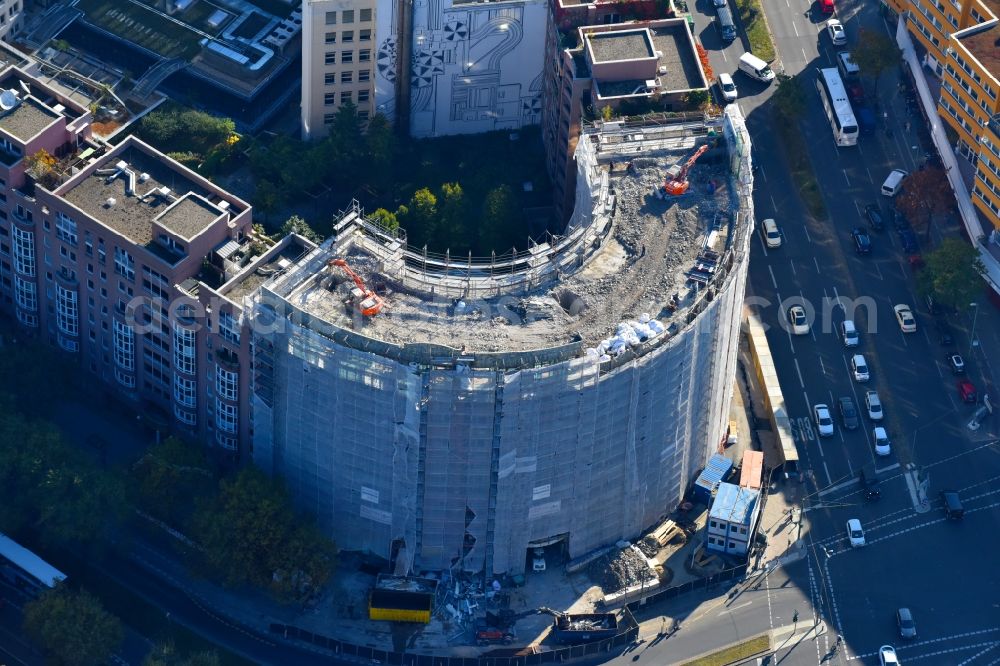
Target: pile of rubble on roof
{"x": 620, "y": 569}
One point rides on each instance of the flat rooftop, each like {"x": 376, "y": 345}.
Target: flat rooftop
{"x": 620, "y": 45}
{"x": 246, "y": 283}
{"x": 677, "y": 62}
{"x": 27, "y": 119}
{"x": 985, "y": 46}
{"x": 644, "y": 266}
{"x": 187, "y": 212}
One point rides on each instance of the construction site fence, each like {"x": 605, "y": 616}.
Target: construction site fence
{"x": 556, "y": 656}
{"x": 707, "y": 583}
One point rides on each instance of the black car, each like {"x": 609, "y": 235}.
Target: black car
{"x": 909, "y": 240}
{"x": 848, "y": 413}
{"x": 869, "y": 482}
{"x": 945, "y": 337}
{"x": 874, "y": 215}
{"x": 899, "y": 221}
{"x": 862, "y": 241}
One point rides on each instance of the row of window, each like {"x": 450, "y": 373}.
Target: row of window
{"x": 732, "y": 528}
{"x": 328, "y": 118}
{"x": 986, "y": 200}
{"x": 973, "y": 74}
{"x": 720, "y": 542}
{"x": 347, "y": 57}
{"x": 954, "y": 114}
{"x": 330, "y": 99}
{"x": 347, "y": 16}
{"x": 347, "y": 37}
{"x": 330, "y": 78}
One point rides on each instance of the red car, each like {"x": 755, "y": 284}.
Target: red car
{"x": 966, "y": 390}
{"x": 826, "y": 6}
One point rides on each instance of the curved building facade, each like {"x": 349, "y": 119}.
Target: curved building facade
{"x": 490, "y": 409}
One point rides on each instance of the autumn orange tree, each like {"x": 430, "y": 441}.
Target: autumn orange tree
{"x": 705, "y": 65}
{"x": 926, "y": 193}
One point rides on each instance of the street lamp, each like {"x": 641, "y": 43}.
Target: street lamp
{"x": 972, "y": 336}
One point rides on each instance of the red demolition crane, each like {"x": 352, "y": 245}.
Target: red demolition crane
{"x": 365, "y": 300}
{"x": 677, "y": 184}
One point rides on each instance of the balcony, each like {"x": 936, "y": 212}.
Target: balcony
{"x": 228, "y": 359}
{"x": 67, "y": 277}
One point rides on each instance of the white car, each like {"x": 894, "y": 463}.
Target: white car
{"x": 798, "y": 321}
{"x": 855, "y": 534}
{"x": 838, "y": 36}
{"x": 728, "y": 87}
{"x": 860, "y": 368}
{"x": 881, "y": 441}
{"x": 849, "y": 333}
{"x": 874, "y": 405}
{"x": 887, "y": 656}
{"x": 824, "y": 422}
{"x": 772, "y": 235}
{"x": 904, "y": 315}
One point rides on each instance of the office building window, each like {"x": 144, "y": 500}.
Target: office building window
{"x": 331, "y": 38}
{"x": 364, "y": 74}
{"x": 363, "y": 95}
{"x": 365, "y": 55}
{"x": 328, "y": 118}
{"x": 363, "y": 114}
{"x": 347, "y": 77}
{"x": 364, "y": 35}
{"x": 347, "y": 37}
{"x": 347, "y": 57}
{"x": 365, "y": 16}
{"x": 331, "y": 18}
{"x": 184, "y": 391}
{"x": 347, "y": 16}
{"x": 331, "y": 58}
{"x": 345, "y": 97}
{"x": 226, "y": 383}
{"x": 329, "y": 99}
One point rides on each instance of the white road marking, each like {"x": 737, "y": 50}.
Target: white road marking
{"x": 816, "y": 262}
{"x": 870, "y": 177}
{"x": 796, "y": 31}
{"x": 773, "y": 281}
{"x": 763, "y": 245}
{"x": 846, "y": 179}
{"x": 879, "y": 271}
{"x": 829, "y": 480}
{"x": 799, "y": 373}
{"x": 808, "y": 237}
{"x": 736, "y": 607}
{"x": 821, "y": 366}
{"x": 792, "y": 264}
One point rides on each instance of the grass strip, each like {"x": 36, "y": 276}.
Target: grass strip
{"x": 797, "y": 156}
{"x": 752, "y": 17}
{"x": 734, "y": 653}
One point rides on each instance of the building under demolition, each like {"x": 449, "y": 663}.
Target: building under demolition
{"x": 564, "y": 397}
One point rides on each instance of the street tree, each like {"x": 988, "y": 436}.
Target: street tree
{"x": 925, "y": 194}
{"x": 500, "y": 215}
{"x": 422, "y": 212}
{"x": 874, "y": 53}
{"x": 250, "y": 534}
{"x": 952, "y": 274}
{"x": 170, "y": 478}
{"x": 789, "y": 98}
{"x": 447, "y": 231}
{"x": 72, "y": 627}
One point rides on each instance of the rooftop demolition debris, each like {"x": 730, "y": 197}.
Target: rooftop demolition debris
{"x": 650, "y": 268}
{"x": 619, "y": 570}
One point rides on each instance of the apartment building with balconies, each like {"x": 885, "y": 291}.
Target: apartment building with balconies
{"x": 104, "y": 255}
{"x": 650, "y": 65}
{"x": 338, "y": 61}
{"x": 11, "y": 17}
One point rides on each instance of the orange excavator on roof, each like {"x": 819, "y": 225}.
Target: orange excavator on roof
{"x": 365, "y": 300}
{"x": 677, "y": 184}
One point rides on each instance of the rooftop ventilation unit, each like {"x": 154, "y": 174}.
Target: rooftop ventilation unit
{"x": 121, "y": 165}
{"x": 143, "y": 177}
{"x": 110, "y": 203}
{"x": 224, "y": 205}
{"x": 164, "y": 191}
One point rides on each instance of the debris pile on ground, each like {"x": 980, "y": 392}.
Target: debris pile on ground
{"x": 649, "y": 546}
{"x": 619, "y": 570}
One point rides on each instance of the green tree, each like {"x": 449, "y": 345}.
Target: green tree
{"x": 952, "y": 274}
{"x": 167, "y": 654}
{"x": 447, "y": 231}
{"x": 170, "y": 478}
{"x": 874, "y": 52}
{"x": 186, "y": 130}
{"x": 697, "y": 99}
{"x": 422, "y": 211}
{"x": 386, "y": 219}
{"x": 72, "y": 627}
{"x": 789, "y": 98}
{"x": 251, "y": 535}
{"x": 499, "y": 216}
{"x": 925, "y": 193}
{"x": 380, "y": 146}
{"x": 49, "y": 486}
{"x": 296, "y": 225}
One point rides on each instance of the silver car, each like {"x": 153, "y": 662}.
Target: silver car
{"x": 907, "y": 627}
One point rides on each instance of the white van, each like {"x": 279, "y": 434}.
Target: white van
{"x": 894, "y": 182}
{"x": 849, "y": 333}
{"x": 848, "y": 68}
{"x": 755, "y": 68}
{"x": 769, "y": 231}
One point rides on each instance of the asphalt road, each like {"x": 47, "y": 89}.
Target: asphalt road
{"x": 944, "y": 571}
